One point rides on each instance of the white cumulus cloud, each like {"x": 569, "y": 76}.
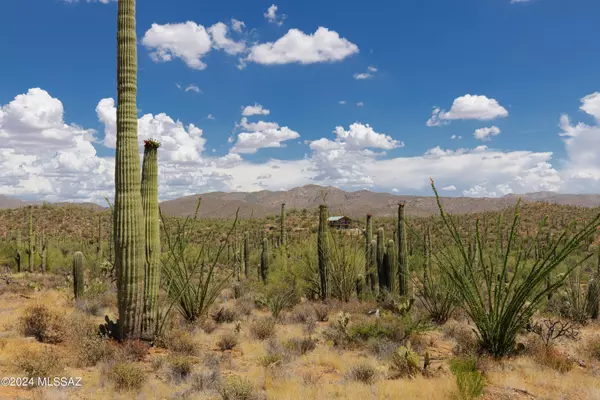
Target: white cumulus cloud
{"x": 474, "y": 107}
{"x": 486, "y": 133}
{"x": 297, "y": 47}
{"x": 256, "y": 109}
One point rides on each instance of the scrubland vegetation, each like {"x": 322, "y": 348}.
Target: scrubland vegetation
{"x": 142, "y": 305}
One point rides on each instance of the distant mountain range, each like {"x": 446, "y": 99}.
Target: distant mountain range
{"x": 352, "y": 204}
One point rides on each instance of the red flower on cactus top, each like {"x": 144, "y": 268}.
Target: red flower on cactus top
{"x": 151, "y": 144}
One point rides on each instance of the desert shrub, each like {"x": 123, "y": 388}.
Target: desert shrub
{"x": 45, "y": 325}
{"x": 383, "y": 349}
{"x": 237, "y": 388}
{"x": 262, "y": 328}
{"x": 300, "y": 346}
{"x": 516, "y": 284}
{"x": 38, "y": 363}
{"x": 227, "y": 341}
{"x": 89, "y": 348}
{"x": 181, "y": 367}
{"x": 549, "y": 330}
{"x": 321, "y": 312}
{"x": 180, "y": 341}
{"x": 224, "y": 315}
{"x": 469, "y": 381}
{"x": 302, "y": 313}
{"x": 405, "y": 362}
{"x": 362, "y": 372}
{"x": 463, "y": 335}
{"x": 338, "y": 331}
{"x": 550, "y": 357}
{"x": 244, "y": 307}
{"x": 206, "y": 380}
{"x": 134, "y": 350}
{"x": 208, "y": 326}
{"x": 126, "y": 376}
{"x": 157, "y": 362}
{"x": 593, "y": 348}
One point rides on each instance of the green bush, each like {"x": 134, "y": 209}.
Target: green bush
{"x": 237, "y": 388}
{"x": 469, "y": 380}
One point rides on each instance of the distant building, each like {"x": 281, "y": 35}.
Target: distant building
{"x": 339, "y": 222}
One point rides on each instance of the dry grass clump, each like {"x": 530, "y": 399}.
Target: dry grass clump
{"x": 227, "y": 341}
{"x": 133, "y": 350}
{"x": 46, "y": 325}
{"x": 43, "y": 362}
{"x": 126, "y": 376}
{"x": 262, "y": 328}
{"x": 362, "y": 372}
{"x": 321, "y": 312}
{"x": 89, "y": 347}
{"x": 237, "y": 388}
{"x": 224, "y": 315}
{"x": 592, "y": 348}
{"x": 551, "y": 357}
{"x": 208, "y": 326}
{"x": 181, "y": 368}
{"x": 300, "y": 346}
{"x": 463, "y": 335}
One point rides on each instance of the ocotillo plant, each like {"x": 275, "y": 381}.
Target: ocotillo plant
{"x": 264, "y": 261}
{"x": 390, "y": 266}
{"x": 152, "y": 236}
{"x": 246, "y": 252}
{"x": 403, "y": 272}
{"x": 128, "y": 211}
{"x": 31, "y": 250}
{"x": 368, "y": 261}
{"x": 380, "y": 258}
{"x": 78, "y": 283}
{"x": 323, "y": 249}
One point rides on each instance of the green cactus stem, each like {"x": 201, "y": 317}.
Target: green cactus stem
{"x": 43, "y": 253}
{"x": 264, "y": 261}
{"x": 246, "y": 253}
{"x": 390, "y": 267}
{"x": 323, "y": 249}
{"x": 78, "y": 283}
{"x": 282, "y": 228}
{"x": 403, "y": 272}
{"x": 31, "y": 250}
{"x": 368, "y": 261}
{"x": 18, "y": 246}
{"x": 128, "y": 212}
{"x": 374, "y": 273}
{"x": 149, "y": 193}
{"x": 381, "y": 258}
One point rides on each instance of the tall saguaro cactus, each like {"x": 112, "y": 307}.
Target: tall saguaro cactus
{"x": 381, "y": 258}
{"x": 246, "y": 253}
{"x": 128, "y": 212}
{"x": 264, "y": 261}
{"x": 18, "y": 245}
{"x": 402, "y": 254}
{"x": 391, "y": 264}
{"x": 368, "y": 260}
{"x": 323, "y": 249}
{"x": 283, "y": 232}
{"x": 44, "y": 245}
{"x": 78, "y": 282}
{"x": 152, "y": 236}
{"x": 31, "y": 250}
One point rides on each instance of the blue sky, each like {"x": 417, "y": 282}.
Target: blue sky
{"x": 511, "y": 69}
